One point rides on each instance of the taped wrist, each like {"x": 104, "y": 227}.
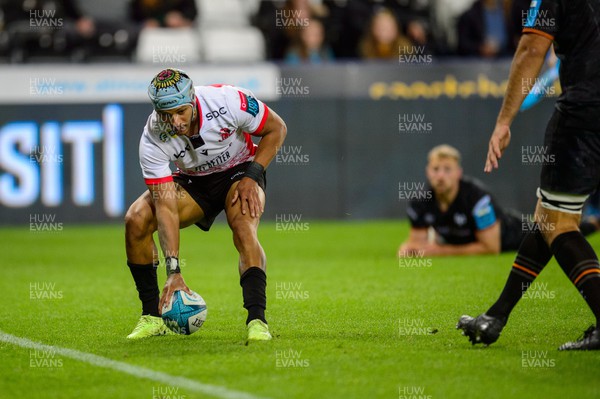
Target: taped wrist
{"x": 172, "y": 264}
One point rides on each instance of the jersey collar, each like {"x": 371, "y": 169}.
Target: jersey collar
{"x": 199, "y": 110}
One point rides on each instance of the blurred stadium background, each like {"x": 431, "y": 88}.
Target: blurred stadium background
{"x": 366, "y": 87}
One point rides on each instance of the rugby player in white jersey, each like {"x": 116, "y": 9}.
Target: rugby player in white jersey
{"x": 205, "y": 132}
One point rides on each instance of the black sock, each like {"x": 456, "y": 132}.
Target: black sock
{"x": 147, "y": 286}
{"x": 587, "y": 228}
{"x": 534, "y": 254}
{"x": 254, "y": 286}
{"x": 579, "y": 262}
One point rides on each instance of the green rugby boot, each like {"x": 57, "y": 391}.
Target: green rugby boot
{"x": 258, "y": 331}
{"x": 149, "y": 326}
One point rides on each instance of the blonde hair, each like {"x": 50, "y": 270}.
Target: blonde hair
{"x": 444, "y": 151}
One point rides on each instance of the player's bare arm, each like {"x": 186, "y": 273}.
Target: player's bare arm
{"x": 164, "y": 197}
{"x": 487, "y": 243}
{"x": 528, "y": 61}
{"x": 417, "y": 238}
{"x": 165, "y": 203}
{"x": 247, "y": 191}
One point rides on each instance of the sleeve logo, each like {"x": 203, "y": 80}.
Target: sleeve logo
{"x": 484, "y": 213}
{"x": 248, "y": 104}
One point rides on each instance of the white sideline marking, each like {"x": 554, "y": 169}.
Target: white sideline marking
{"x": 136, "y": 371}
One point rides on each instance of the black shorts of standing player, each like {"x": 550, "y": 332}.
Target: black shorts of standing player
{"x": 210, "y": 191}
{"x": 575, "y": 167}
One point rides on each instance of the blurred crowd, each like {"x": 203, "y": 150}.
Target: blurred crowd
{"x": 293, "y": 31}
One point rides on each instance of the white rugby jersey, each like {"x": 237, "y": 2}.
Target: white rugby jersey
{"x": 228, "y": 116}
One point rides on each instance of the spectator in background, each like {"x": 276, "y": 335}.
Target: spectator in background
{"x": 33, "y": 35}
{"x": 18, "y": 10}
{"x": 415, "y": 16}
{"x": 383, "y": 39}
{"x": 444, "y": 20}
{"x": 310, "y": 46}
{"x": 484, "y": 30}
{"x": 282, "y": 25}
{"x": 346, "y": 25}
{"x": 164, "y": 13}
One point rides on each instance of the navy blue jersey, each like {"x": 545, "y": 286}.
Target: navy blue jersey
{"x": 473, "y": 209}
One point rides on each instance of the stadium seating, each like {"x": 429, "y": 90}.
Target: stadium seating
{"x": 244, "y": 44}
{"x": 170, "y": 46}
{"x": 229, "y": 13}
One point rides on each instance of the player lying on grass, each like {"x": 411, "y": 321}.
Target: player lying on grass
{"x": 573, "y": 137}
{"x": 205, "y": 131}
{"x": 464, "y": 216}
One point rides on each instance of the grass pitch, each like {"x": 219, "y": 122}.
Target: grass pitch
{"x": 349, "y": 320}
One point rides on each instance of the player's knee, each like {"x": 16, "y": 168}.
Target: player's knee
{"x": 554, "y": 223}
{"x": 244, "y": 233}
{"x": 138, "y": 220}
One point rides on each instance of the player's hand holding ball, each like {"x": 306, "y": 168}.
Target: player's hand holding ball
{"x": 174, "y": 283}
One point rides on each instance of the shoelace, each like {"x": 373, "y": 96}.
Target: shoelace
{"x": 140, "y": 325}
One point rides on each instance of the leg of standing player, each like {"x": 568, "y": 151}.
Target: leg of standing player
{"x": 142, "y": 255}
{"x": 533, "y": 255}
{"x": 565, "y": 185}
{"x": 574, "y": 254}
{"x": 252, "y": 263}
